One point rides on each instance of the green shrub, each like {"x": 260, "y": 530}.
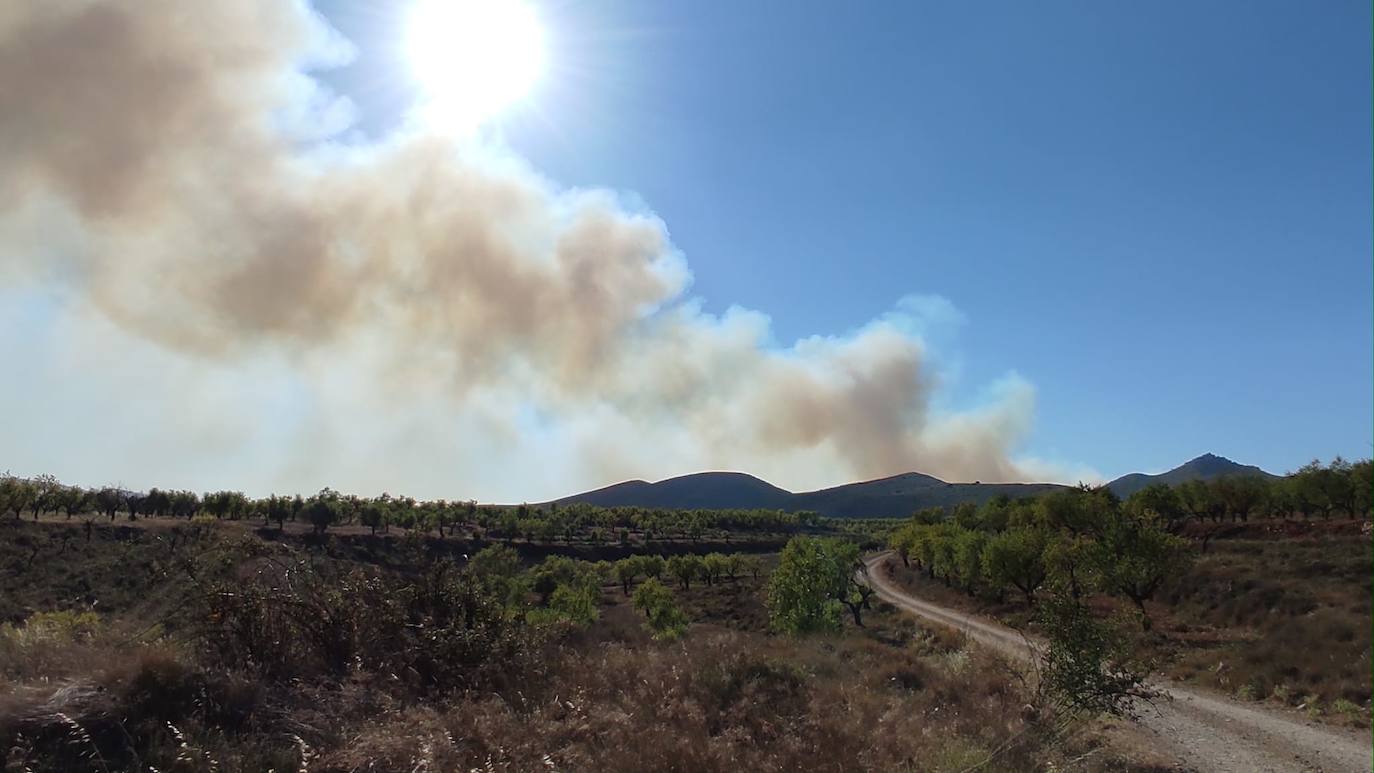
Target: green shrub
{"x": 664, "y": 619}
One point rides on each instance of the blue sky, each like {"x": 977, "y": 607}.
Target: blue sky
{"x": 1157, "y": 213}
{"x": 991, "y": 241}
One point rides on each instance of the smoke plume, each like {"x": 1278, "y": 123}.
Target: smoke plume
{"x": 232, "y": 296}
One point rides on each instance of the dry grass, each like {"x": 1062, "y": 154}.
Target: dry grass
{"x": 1264, "y": 615}
{"x": 730, "y": 696}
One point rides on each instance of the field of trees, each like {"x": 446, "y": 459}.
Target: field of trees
{"x": 169, "y": 631}
{"x": 46, "y": 497}
{"x": 1255, "y": 586}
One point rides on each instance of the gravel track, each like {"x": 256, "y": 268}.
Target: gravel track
{"x": 1201, "y": 731}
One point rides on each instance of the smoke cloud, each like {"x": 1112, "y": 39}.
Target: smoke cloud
{"x": 229, "y": 297}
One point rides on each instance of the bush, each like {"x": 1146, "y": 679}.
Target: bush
{"x": 664, "y": 619}
{"x": 1088, "y": 667}
{"x": 442, "y": 630}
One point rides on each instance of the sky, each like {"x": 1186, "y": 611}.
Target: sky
{"x": 1055, "y": 241}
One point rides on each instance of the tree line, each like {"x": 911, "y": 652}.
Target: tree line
{"x": 1077, "y": 540}
{"x": 45, "y": 494}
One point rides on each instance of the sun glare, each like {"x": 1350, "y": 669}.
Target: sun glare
{"x": 472, "y": 58}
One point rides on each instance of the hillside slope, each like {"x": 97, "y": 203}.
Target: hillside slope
{"x": 1204, "y": 467}
{"x": 894, "y": 497}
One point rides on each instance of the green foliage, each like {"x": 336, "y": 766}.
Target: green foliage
{"x": 684, "y": 569}
{"x": 1087, "y": 667}
{"x": 46, "y": 628}
{"x": 713, "y": 567}
{"x": 814, "y": 580}
{"x": 556, "y": 571}
{"x": 1158, "y": 503}
{"x": 1132, "y": 558}
{"x": 663, "y": 617}
{"x": 1069, "y": 563}
{"x": 968, "y": 557}
{"x": 1016, "y": 558}
{"x": 574, "y": 603}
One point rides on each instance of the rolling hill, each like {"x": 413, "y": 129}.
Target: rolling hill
{"x": 893, "y": 497}
{"x": 1204, "y": 467}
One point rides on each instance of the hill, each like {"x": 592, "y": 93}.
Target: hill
{"x": 700, "y": 491}
{"x": 891, "y": 497}
{"x": 1204, "y": 467}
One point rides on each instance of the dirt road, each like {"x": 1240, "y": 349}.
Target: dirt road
{"x": 1199, "y": 730}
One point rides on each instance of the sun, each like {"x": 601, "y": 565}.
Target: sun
{"x": 472, "y": 58}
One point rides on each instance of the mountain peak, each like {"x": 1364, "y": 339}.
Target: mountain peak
{"x": 1204, "y": 467}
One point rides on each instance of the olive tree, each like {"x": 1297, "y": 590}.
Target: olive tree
{"x": 814, "y": 580}
{"x": 1017, "y": 558}
{"x": 1133, "y": 558}
{"x": 664, "y": 619}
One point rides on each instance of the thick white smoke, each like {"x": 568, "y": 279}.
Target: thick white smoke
{"x": 213, "y": 296}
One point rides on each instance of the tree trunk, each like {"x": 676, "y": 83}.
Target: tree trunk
{"x": 1145, "y": 622}
{"x": 854, "y": 610}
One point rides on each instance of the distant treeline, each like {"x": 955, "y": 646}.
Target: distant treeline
{"x": 1337, "y": 488}
{"x": 45, "y": 494}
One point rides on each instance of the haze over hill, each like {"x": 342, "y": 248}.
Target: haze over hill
{"x": 891, "y": 497}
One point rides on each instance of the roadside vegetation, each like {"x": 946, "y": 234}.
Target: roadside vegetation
{"x": 170, "y": 631}
{"x": 1257, "y": 587}
{"x": 199, "y": 645}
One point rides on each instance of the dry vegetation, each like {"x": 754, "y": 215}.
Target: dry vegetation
{"x": 140, "y": 662}
{"x": 1273, "y": 611}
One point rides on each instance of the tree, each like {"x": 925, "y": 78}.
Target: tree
{"x": 813, "y": 581}
{"x": 1201, "y": 500}
{"x": 940, "y": 543}
{"x": 186, "y": 503}
{"x": 75, "y": 500}
{"x": 495, "y": 561}
{"x": 1133, "y": 558}
{"x": 652, "y": 566}
{"x": 626, "y": 571}
{"x": 684, "y": 569}
{"x": 734, "y": 564}
{"x": 46, "y": 490}
{"x": 108, "y": 500}
{"x": 663, "y": 617}
{"x": 278, "y": 509}
{"x": 1068, "y": 562}
{"x": 994, "y": 513}
{"x": 1160, "y": 503}
{"x": 1016, "y": 558}
{"x": 372, "y": 514}
{"x": 12, "y": 494}
{"x": 553, "y": 572}
{"x": 1321, "y": 489}
{"x": 712, "y": 567}
{"x": 575, "y": 603}
{"x": 965, "y": 515}
{"x": 968, "y": 557}
{"x": 1087, "y": 667}
{"x": 229, "y": 505}
{"x": 903, "y": 542}
{"x": 1362, "y": 485}
{"x": 1241, "y": 495}
{"x": 322, "y": 510}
